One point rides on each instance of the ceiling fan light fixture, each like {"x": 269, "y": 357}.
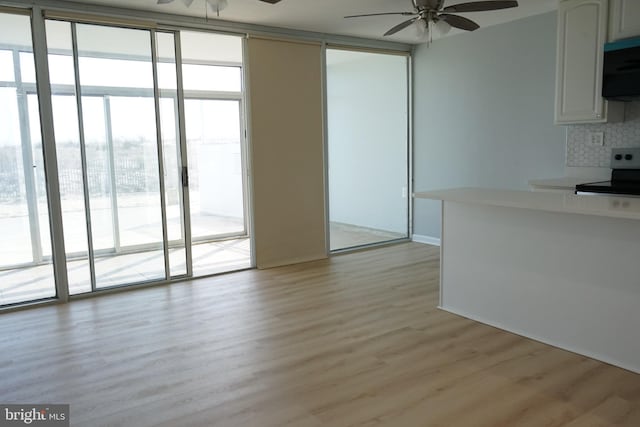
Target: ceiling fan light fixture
{"x": 421, "y": 28}
{"x": 443, "y": 27}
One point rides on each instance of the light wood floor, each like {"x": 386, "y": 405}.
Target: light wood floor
{"x": 352, "y": 341}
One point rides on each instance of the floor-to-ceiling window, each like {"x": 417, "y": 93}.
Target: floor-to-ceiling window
{"x": 368, "y": 147}
{"x": 150, "y": 152}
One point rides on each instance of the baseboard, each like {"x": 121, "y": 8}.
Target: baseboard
{"x": 427, "y": 240}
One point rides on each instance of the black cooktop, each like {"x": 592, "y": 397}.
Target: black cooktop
{"x": 623, "y": 182}
{"x": 630, "y": 188}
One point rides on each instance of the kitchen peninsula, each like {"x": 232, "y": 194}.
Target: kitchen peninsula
{"x": 559, "y": 268}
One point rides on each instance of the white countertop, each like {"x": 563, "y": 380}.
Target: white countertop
{"x": 605, "y": 206}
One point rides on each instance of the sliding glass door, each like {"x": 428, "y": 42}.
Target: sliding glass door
{"x": 157, "y": 208}
{"x": 122, "y": 157}
{"x": 110, "y": 150}
{"x": 150, "y": 166}
{"x": 368, "y": 147}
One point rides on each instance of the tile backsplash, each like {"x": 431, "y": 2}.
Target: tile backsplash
{"x": 624, "y": 134}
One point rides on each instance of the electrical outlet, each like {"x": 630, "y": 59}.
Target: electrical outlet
{"x": 625, "y": 158}
{"x": 595, "y": 139}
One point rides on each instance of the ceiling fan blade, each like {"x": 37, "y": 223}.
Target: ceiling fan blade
{"x": 480, "y": 6}
{"x": 401, "y": 26}
{"x": 459, "y": 22}
{"x": 164, "y": 1}
{"x": 378, "y": 14}
{"x": 271, "y": 1}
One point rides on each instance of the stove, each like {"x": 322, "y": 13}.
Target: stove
{"x": 625, "y": 175}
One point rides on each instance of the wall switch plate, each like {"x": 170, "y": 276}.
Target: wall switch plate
{"x": 595, "y": 139}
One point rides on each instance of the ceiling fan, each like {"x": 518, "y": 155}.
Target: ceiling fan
{"x": 433, "y": 11}
{"x": 216, "y": 5}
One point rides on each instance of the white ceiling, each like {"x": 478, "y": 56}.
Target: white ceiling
{"x": 326, "y": 16}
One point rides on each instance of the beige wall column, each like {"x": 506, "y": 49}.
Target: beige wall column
{"x": 287, "y": 153}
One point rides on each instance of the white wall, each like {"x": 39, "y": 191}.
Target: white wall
{"x": 483, "y": 112}
{"x": 367, "y": 124}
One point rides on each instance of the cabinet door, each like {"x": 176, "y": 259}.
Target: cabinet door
{"x": 624, "y": 19}
{"x": 581, "y": 36}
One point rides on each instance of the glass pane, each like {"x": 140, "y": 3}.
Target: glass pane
{"x": 172, "y": 166}
{"x": 211, "y": 62}
{"x": 215, "y": 168}
{"x": 70, "y": 178}
{"x": 26, "y": 272}
{"x": 167, "y": 76}
{"x": 65, "y": 119}
{"x": 130, "y": 73}
{"x": 99, "y": 174}
{"x": 14, "y": 216}
{"x": 122, "y": 155}
{"x": 135, "y": 153}
{"x": 368, "y": 159}
{"x": 123, "y": 62}
{"x": 6, "y": 66}
{"x": 27, "y": 67}
{"x": 171, "y": 155}
{"x": 212, "y": 78}
{"x": 40, "y": 185}
{"x": 60, "y": 53}
{"x": 15, "y": 30}
{"x": 203, "y": 47}
{"x": 61, "y": 67}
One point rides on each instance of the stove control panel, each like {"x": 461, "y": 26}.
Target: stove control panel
{"x": 625, "y": 158}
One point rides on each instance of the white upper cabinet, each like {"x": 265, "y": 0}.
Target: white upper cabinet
{"x": 582, "y": 33}
{"x": 624, "y": 19}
